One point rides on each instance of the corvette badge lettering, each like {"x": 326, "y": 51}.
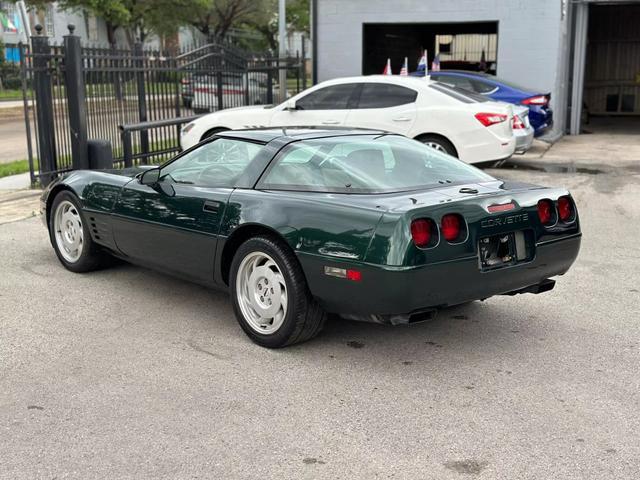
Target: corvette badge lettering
{"x": 496, "y": 222}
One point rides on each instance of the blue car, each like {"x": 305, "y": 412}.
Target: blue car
{"x": 540, "y": 115}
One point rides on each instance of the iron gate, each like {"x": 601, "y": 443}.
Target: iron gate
{"x": 81, "y": 93}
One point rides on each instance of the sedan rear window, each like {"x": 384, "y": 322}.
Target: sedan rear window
{"x": 365, "y": 164}
{"x": 464, "y": 96}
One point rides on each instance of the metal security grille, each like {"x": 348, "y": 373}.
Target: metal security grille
{"x": 134, "y": 98}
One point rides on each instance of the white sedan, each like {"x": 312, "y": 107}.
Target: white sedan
{"x": 474, "y": 130}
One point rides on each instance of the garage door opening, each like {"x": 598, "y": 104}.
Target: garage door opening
{"x": 611, "y": 98}
{"x": 466, "y": 46}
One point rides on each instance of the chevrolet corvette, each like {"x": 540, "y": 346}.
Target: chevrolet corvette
{"x": 298, "y": 223}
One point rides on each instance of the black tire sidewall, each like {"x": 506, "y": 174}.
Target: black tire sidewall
{"x": 88, "y": 259}
{"x": 296, "y": 290}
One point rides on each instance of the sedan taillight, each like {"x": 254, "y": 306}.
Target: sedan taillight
{"x": 537, "y": 100}
{"x": 488, "y": 119}
{"x": 517, "y": 123}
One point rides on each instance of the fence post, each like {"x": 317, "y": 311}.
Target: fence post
{"x": 304, "y": 64}
{"x": 25, "y": 101}
{"x": 117, "y": 63}
{"x": 269, "y": 86}
{"x": 219, "y": 87}
{"x": 76, "y": 100}
{"x": 138, "y": 51}
{"x": 298, "y": 70}
{"x": 44, "y": 105}
{"x": 247, "y": 76}
{"x": 127, "y": 147}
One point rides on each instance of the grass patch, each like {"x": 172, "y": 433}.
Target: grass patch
{"x": 14, "y": 168}
{"x": 9, "y": 94}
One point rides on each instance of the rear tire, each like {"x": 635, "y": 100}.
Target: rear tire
{"x": 70, "y": 235}
{"x": 271, "y": 300}
{"x": 439, "y": 143}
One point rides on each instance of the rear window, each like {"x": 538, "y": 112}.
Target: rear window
{"x": 384, "y": 95}
{"x": 459, "y": 93}
{"x": 365, "y": 164}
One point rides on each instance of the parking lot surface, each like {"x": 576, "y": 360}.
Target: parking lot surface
{"x": 127, "y": 373}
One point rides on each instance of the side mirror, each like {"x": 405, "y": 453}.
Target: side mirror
{"x": 150, "y": 177}
{"x": 290, "y": 105}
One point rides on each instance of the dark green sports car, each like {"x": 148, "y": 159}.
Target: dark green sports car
{"x": 298, "y": 223}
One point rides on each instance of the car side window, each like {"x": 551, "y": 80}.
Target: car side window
{"x": 384, "y": 95}
{"x": 218, "y": 163}
{"x": 334, "y": 97}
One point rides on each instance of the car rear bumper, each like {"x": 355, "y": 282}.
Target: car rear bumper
{"x": 524, "y": 139}
{"x": 541, "y": 120}
{"x": 495, "y": 149}
{"x": 395, "y": 295}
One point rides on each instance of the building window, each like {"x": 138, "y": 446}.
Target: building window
{"x": 49, "y": 28}
{"x": 91, "y": 26}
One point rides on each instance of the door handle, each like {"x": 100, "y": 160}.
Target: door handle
{"x": 402, "y": 119}
{"x": 330, "y": 122}
{"x": 211, "y": 206}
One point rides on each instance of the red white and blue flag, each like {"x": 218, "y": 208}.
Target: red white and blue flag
{"x": 422, "y": 64}
{"x": 404, "y": 71}
{"x": 435, "y": 65}
{"x": 387, "y": 68}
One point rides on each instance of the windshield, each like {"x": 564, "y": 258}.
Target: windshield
{"x": 366, "y": 164}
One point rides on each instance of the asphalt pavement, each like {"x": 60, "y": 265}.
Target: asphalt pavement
{"x": 127, "y": 373}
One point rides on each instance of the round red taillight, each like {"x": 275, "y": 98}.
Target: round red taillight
{"x": 565, "y": 209}
{"x": 421, "y": 232}
{"x": 450, "y": 226}
{"x": 545, "y": 211}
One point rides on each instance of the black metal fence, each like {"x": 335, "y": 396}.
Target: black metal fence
{"x": 135, "y": 98}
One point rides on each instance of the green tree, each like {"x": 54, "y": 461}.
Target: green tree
{"x": 137, "y": 18}
{"x": 217, "y": 17}
{"x": 265, "y": 20}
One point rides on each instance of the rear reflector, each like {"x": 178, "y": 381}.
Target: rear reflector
{"x": 421, "y": 232}
{"x": 537, "y": 100}
{"x": 488, "y": 119}
{"x": 517, "y": 123}
{"x": 565, "y": 209}
{"x": 451, "y": 226}
{"x": 545, "y": 211}
{"x": 505, "y": 207}
{"x": 354, "y": 275}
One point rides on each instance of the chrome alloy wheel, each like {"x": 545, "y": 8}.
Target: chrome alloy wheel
{"x": 68, "y": 231}
{"x": 435, "y": 146}
{"x": 261, "y": 292}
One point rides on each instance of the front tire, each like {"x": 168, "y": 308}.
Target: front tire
{"x": 271, "y": 300}
{"x": 70, "y": 236}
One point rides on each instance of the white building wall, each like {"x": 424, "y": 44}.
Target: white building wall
{"x": 530, "y": 36}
